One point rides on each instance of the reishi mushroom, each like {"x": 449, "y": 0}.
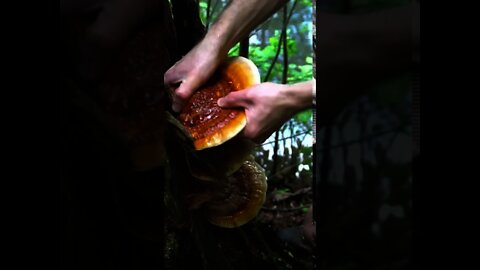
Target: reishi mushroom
{"x": 236, "y": 184}
{"x": 241, "y": 197}
{"x": 221, "y": 161}
{"x": 208, "y": 124}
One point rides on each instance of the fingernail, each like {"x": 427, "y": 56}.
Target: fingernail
{"x": 220, "y": 102}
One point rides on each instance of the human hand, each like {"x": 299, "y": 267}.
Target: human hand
{"x": 193, "y": 70}
{"x": 268, "y": 106}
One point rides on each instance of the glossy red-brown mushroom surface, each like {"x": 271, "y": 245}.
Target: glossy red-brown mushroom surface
{"x": 208, "y": 124}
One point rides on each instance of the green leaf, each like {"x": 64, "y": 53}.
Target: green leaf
{"x": 235, "y": 50}
{"x": 309, "y": 60}
{"x": 304, "y": 117}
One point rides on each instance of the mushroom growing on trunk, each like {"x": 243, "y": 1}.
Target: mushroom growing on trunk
{"x": 235, "y": 184}
{"x": 209, "y": 124}
{"x": 240, "y": 197}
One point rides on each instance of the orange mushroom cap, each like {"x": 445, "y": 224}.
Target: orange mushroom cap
{"x": 208, "y": 124}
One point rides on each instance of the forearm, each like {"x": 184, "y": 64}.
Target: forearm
{"x": 299, "y": 96}
{"x": 238, "y": 19}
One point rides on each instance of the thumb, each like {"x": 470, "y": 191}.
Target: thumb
{"x": 184, "y": 92}
{"x": 181, "y": 95}
{"x": 235, "y": 99}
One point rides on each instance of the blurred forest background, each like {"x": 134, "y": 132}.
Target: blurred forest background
{"x": 282, "y": 49}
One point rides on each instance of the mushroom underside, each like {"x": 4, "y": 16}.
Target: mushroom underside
{"x": 240, "y": 198}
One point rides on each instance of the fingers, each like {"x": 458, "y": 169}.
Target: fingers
{"x": 257, "y": 128}
{"x": 181, "y": 95}
{"x": 235, "y": 99}
{"x": 184, "y": 78}
{"x": 254, "y": 133}
{"x": 181, "y": 89}
{"x": 172, "y": 80}
{"x": 191, "y": 72}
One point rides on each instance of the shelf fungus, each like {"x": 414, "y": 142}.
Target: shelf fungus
{"x": 208, "y": 124}
{"x": 240, "y": 198}
{"x": 219, "y": 162}
{"x": 236, "y": 185}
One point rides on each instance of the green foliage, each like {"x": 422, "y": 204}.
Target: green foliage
{"x": 304, "y": 117}
{"x": 235, "y": 50}
{"x": 203, "y": 5}
{"x": 265, "y": 44}
{"x": 203, "y": 11}
{"x": 306, "y": 3}
{"x": 282, "y": 191}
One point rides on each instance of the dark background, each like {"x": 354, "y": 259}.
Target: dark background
{"x": 366, "y": 155}
{"x": 364, "y": 212}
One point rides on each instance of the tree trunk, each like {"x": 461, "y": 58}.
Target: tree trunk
{"x": 113, "y": 129}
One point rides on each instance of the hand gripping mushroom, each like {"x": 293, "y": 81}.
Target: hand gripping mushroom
{"x": 221, "y": 157}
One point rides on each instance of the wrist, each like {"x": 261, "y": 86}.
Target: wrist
{"x": 299, "y": 96}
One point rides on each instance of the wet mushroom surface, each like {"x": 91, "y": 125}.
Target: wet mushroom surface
{"x": 234, "y": 184}
{"x": 208, "y": 124}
